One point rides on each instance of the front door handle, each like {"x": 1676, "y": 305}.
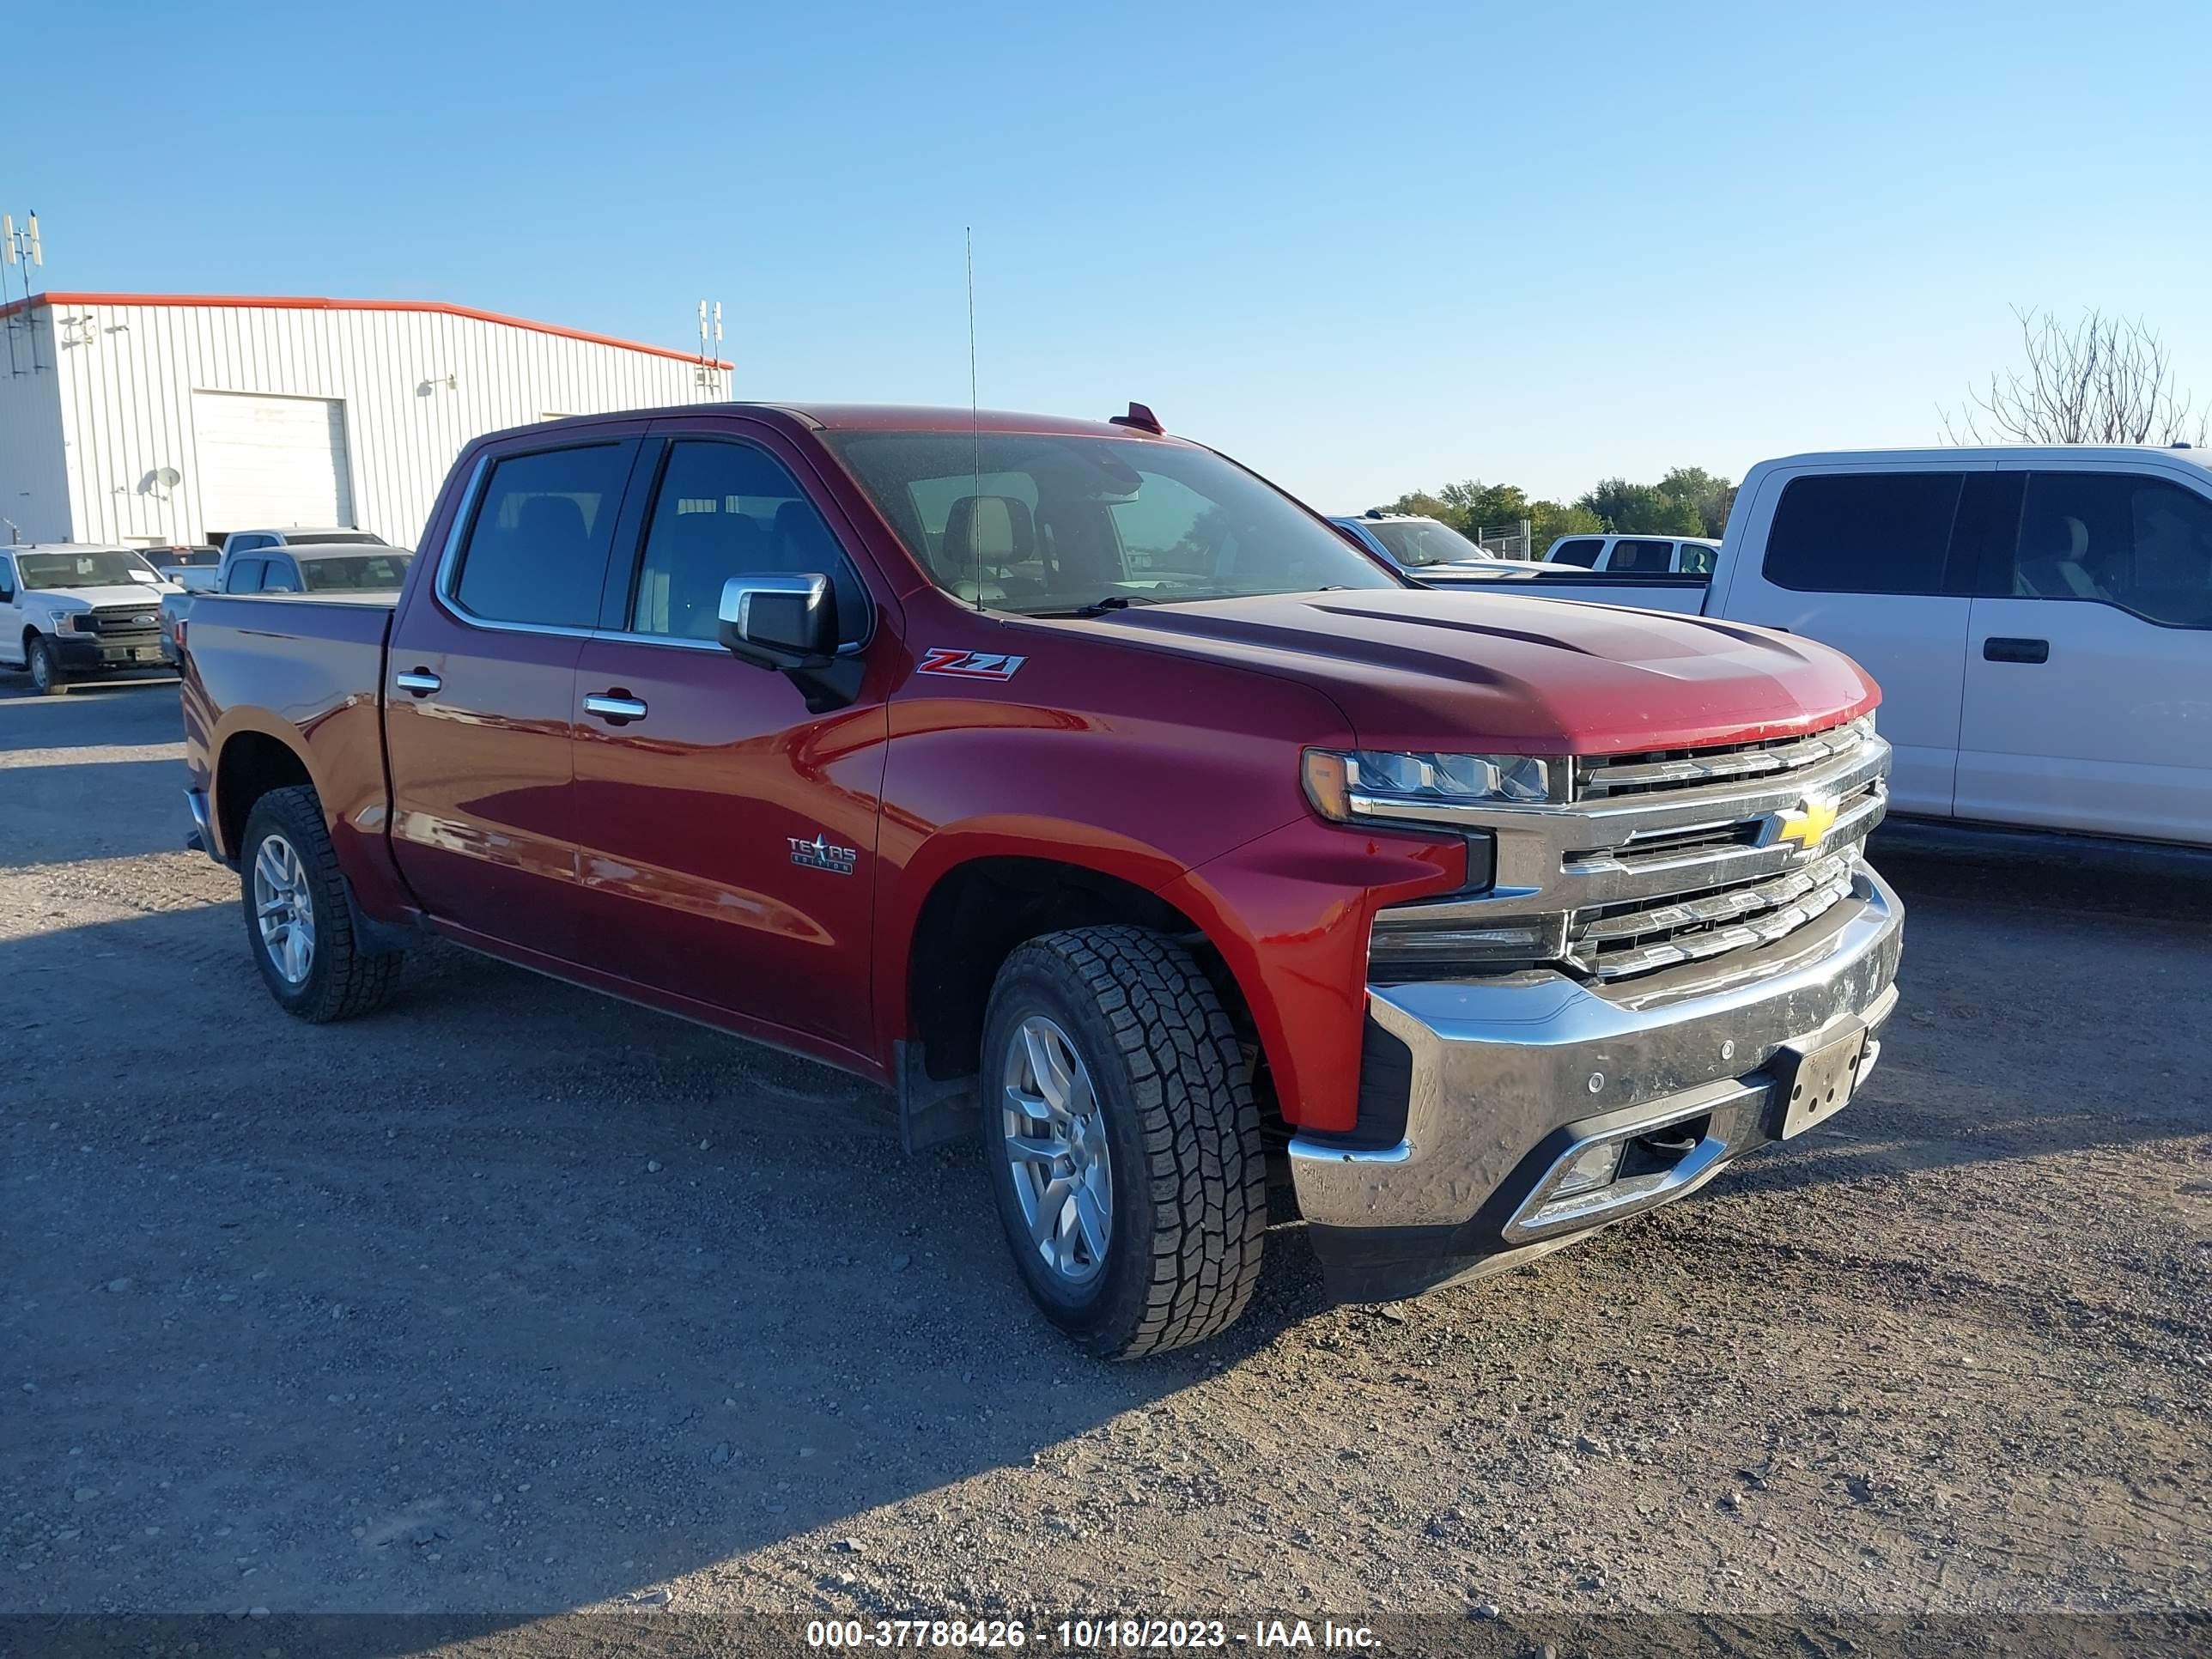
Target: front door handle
{"x": 616, "y": 706}
{"x": 420, "y": 681}
{"x": 1997, "y": 648}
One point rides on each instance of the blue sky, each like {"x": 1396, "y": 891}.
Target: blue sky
{"x": 1363, "y": 248}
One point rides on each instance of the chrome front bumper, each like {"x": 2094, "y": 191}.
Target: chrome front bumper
{"x": 1510, "y": 1077}
{"x": 202, "y": 839}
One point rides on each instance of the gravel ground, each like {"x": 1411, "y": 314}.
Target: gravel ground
{"x": 513, "y": 1299}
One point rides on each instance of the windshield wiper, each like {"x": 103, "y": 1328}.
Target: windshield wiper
{"x": 1111, "y": 602}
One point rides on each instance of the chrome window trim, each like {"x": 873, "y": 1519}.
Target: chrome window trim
{"x": 443, "y": 588}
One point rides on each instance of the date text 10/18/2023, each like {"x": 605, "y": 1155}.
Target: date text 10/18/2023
{"x": 1088, "y": 1635}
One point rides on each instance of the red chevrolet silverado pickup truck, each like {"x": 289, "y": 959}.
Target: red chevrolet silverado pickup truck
{"x": 1102, "y": 802}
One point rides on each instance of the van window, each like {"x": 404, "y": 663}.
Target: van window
{"x": 724, "y": 510}
{"x": 1583, "y": 553}
{"x": 1642, "y": 555}
{"x": 537, "y": 551}
{"x": 2118, "y": 539}
{"x": 1862, "y": 532}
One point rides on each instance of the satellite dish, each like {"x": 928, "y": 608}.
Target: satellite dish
{"x": 169, "y": 477}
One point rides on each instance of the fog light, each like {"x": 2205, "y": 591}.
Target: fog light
{"x": 1593, "y": 1167}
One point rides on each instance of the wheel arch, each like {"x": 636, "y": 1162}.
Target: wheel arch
{"x": 250, "y": 762}
{"x": 976, "y": 909}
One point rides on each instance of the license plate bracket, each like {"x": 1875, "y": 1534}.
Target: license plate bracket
{"x": 1815, "y": 1083}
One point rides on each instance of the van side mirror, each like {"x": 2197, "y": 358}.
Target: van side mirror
{"x": 786, "y": 622}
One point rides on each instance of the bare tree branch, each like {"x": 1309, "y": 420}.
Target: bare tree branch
{"x": 2104, "y": 380}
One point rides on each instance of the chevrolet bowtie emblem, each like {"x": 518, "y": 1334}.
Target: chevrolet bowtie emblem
{"x": 1807, "y": 825}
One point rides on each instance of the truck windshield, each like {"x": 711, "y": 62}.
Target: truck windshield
{"x": 1039, "y": 523}
{"x": 91, "y": 567}
{"x": 1417, "y": 541}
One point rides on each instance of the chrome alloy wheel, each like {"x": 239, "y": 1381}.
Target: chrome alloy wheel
{"x": 283, "y": 909}
{"x": 1055, "y": 1140}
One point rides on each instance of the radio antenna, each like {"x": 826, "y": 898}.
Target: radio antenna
{"x": 975, "y": 426}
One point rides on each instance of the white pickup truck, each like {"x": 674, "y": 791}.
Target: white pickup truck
{"x": 2039, "y": 619}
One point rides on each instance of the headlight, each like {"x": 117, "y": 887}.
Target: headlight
{"x": 1374, "y": 783}
{"x": 72, "y": 621}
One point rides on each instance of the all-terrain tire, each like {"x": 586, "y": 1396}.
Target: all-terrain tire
{"x": 342, "y": 978}
{"x": 43, "y": 663}
{"x": 1189, "y": 1208}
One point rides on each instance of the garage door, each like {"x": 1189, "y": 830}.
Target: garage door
{"x": 269, "y": 460}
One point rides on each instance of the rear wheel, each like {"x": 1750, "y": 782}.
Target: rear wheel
{"x": 44, "y": 662}
{"x": 299, "y": 924}
{"x": 1122, "y": 1140}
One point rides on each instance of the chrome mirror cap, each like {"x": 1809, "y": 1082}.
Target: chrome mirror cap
{"x": 779, "y": 622}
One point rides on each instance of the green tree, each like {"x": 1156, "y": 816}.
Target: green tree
{"x": 1709, "y": 496}
{"x": 1480, "y": 505}
{"x": 1549, "y": 520}
{"x": 1642, "y": 509}
{"x": 1421, "y": 504}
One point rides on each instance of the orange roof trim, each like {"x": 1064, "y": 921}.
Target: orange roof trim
{"x": 302, "y": 302}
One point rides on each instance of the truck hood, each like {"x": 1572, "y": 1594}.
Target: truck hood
{"x": 93, "y": 598}
{"x": 1500, "y": 672}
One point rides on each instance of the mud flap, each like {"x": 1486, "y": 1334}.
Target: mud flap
{"x": 932, "y": 1110}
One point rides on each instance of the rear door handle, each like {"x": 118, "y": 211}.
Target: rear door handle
{"x": 616, "y": 706}
{"x": 421, "y": 681}
{"x": 1997, "y": 648}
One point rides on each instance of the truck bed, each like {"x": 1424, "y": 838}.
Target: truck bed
{"x": 312, "y": 663}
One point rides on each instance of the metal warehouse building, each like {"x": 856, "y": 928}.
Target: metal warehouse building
{"x": 150, "y": 419}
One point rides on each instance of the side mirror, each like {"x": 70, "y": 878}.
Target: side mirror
{"x": 786, "y": 622}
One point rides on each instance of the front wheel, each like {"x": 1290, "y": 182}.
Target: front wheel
{"x": 297, "y": 922}
{"x": 1122, "y": 1140}
{"x": 45, "y": 661}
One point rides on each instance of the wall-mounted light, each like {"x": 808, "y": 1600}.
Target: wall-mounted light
{"x": 451, "y": 381}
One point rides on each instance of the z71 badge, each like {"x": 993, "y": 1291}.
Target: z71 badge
{"x": 956, "y": 664}
{"x": 823, "y": 853}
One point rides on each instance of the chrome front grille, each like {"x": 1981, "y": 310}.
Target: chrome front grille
{"x": 1664, "y": 858}
{"x": 1617, "y": 941}
{"x": 1611, "y": 777}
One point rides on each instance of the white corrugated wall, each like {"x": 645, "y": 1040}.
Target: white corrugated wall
{"x": 415, "y": 385}
{"x": 34, "y": 484}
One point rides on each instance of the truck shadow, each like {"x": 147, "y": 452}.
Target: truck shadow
{"x": 513, "y": 1298}
{"x": 74, "y": 811}
{"x": 527, "y": 1299}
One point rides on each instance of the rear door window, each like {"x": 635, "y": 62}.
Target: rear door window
{"x": 1643, "y": 557}
{"x": 2119, "y": 538}
{"x": 1583, "y": 553}
{"x": 1863, "y": 533}
{"x": 537, "y": 554}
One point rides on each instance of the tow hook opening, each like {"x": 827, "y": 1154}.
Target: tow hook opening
{"x": 1613, "y": 1173}
{"x": 1658, "y": 1151}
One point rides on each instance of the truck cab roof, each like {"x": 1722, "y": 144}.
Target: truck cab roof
{"x": 1953, "y": 454}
